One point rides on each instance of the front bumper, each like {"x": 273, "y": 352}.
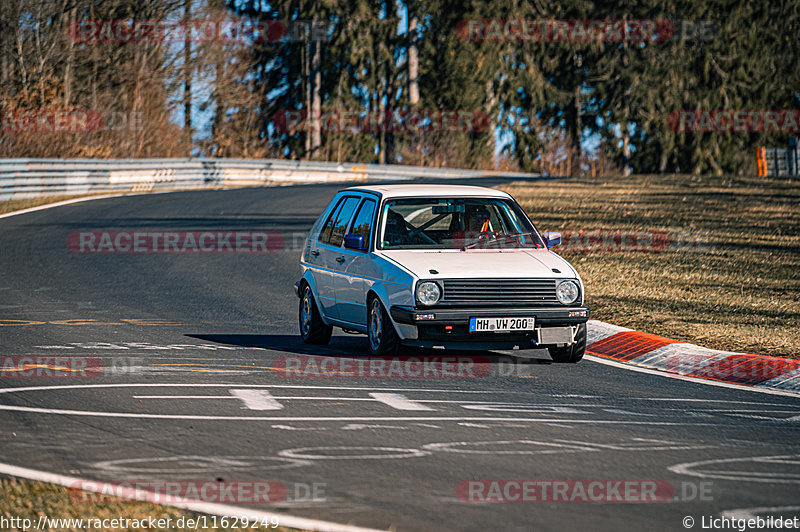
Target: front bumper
{"x": 448, "y": 327}
{"x": 558, "y": 316}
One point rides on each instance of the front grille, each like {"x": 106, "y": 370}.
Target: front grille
{"x": 499, "y": 292}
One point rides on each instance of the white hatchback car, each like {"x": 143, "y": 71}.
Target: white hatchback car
{"x": 438, "y": 266}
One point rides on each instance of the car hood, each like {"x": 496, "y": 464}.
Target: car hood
{"x": 456, "y": 264}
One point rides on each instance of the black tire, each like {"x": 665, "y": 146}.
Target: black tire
{"x": 381, "y": 336}
{"x": 571, "y": 354}
{"x": 312, "y": 328}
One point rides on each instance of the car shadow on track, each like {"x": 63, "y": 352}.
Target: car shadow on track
{"x": 356, "y": 347}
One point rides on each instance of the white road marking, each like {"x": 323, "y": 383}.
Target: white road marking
{"x": 690, "y": 468}
{"x": 67, "y": 202}
{"x": 257, "y": 399}
{"x": 746, "y": 514}
{"x": 233, "y": 385}
{"x": 139, "y": 415}
{"x": 143, "y": 346}
{"x": 384, "y": 395}
{"x": 289, "y": 521}
{"x": 763, "y": 418}
{"x": 495, "y": 447}
{"x": 684, "y": 400}
{"x": 738, "y": 410}
{"x": 387, "y": 452}
{"x": 182, "y": 464}
{"x": 694, "y": 380}
{"x": 289, "y": 427}
{"x": 626, "y": 412}
{"x": 526, "y": 408}
{"x": 362, "y": 426}
{"x": 307, "y": 398}
{"x": 400, "y": 402}
{"x": 638, "y": 446}
{"x": 550, "y": 447}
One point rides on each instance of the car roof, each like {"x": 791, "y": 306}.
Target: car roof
{"x": 437, "y": 191}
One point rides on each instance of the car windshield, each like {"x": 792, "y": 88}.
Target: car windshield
{"x": 456, "y": 223}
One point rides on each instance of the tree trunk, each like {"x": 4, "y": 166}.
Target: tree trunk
{"x": 316, "y": 98}
{"x": 187, "y": 81}
{"x": 388, "y": 141}
{"x": 309, "y": 121}
{"x": 626, "y": 151}
{"x": 71, "y": 16}
{"x": 413, "y": 54}
{"x": 575, "y": 135}
{"x": 662, "y": 163}
{"x": 489, "y": 107}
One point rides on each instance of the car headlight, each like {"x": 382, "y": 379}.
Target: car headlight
{"x": 567, "y": 292}
{"x": 428, "y": 293}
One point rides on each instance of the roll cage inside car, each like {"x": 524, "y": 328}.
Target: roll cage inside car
{"x": 458, "y": 222}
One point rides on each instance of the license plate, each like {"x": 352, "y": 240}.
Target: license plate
{"x": 479, "y": 325}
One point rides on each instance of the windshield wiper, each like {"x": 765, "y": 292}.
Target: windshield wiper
{"x": 495, "y": 238}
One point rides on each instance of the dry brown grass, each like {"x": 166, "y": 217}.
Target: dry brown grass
{"x": 25, "y": 499}
{"x": 19, "y": 204}
{"x": 730, "y": 278}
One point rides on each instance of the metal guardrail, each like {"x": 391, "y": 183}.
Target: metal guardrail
{"x": 782, "y": 162}
{"x": 28, "y": 178}
{"x": 779, "y": 162}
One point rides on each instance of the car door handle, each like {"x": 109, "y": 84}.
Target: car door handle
{"x": 340, "y": 259}
{"x": 315, "y": 253}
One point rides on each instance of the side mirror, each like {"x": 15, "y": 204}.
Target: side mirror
{"x": 355, "y": 242}
{"x": 551, "y": 238}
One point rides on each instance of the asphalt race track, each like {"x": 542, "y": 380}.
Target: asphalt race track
{"x": 190, "y": 354}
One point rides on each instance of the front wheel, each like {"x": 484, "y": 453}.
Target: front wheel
{"x": 571, "y": 353}
{"x": 312, "y": 328}
{"x": 383, "y": 339}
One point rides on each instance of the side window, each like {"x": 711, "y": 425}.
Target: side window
{"x": 362, "y": 224}
{"x": 340, "y": 220}
{"x": 325, "y": 234}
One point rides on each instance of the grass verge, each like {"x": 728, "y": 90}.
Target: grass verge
{"x": 729, "y": 276}
{"x": 24, "y": 499}
{"x": 20, "y": 204}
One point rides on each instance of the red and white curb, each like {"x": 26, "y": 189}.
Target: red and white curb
{"x": 643, "y": 350}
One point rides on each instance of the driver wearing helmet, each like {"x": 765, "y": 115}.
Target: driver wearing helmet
{"x": 476, "y": 225}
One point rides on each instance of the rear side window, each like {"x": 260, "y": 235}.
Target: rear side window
{"x": 325, "y": 234}
{"x": 362, "y": 225}
{"x": 333, "y": 231}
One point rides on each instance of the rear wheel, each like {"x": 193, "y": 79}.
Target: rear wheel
{"x": 571, "y": 353}
{"x": 383, "y": 339}
{"x": 312, "y": 328}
